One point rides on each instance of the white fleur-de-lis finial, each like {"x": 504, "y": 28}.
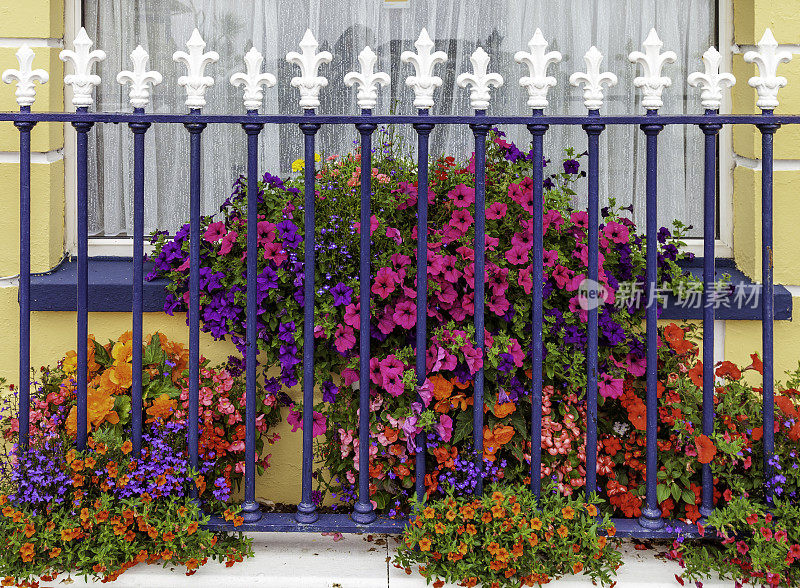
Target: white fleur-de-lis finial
{"x": 592, "y": 79}
{"x": 309, "y": 82}
{"x": 140, "y": 78}
{"x": 424, "y": 82}
{"x": 767, "y": 82}
{"x": 196, "y": 82}
{"x": 25, "y": 77}
{"x": 712, "y": 82}
{"x": 253, "y": 80}
{"x": 479, "y": 80}
{"x": 537, "y": 60}
{"x": 368, "y": 80}
{"x": 652, "y": 60}
{"x": 82, "y": 80}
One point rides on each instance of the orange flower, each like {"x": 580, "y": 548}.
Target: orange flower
{"x": 439, "y": 528}
{"x": 498, "y": 496}
{"x": 425, "y": 544}
{"x": 503, "y": 410}
{"x": 26, "y": 551}
{"x": 503, "y": 434}
{"x": 168, "y": 536}
{"x": 127, "y": 447}
{"x": 442, "y": 387}
{"x": 471, "y": 529}
{"x": 190, "y": 530}
{"x": 122, "y": 352}
{"x": 637, "y": 413}
{"x": 121, "y": 375}
{"x": 498, "y": 511}
{"x": 577, "y": 567}
{"x": 592, "y": 510}
{"x": 533, "y": 540}
{"x": 429, "y": 513}
{"x": 450, "y": 515}
{"x": 705, "y": 449}
{"x": 237, "y": 521}
{"x": 562, "y": 531}
{"x": 675, "y": 337}
{"x": 29, "y": 530}
{"x": 162, "y": 407}
{"x": 568, "y": 512}
{"x": 467, "y": 512}
{"x": 55, "y": 552}
{"x": 536, "y": 524}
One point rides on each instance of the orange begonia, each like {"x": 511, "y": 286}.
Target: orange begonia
{"x": 503, "y": 410}
{"x": 162, "y": 407}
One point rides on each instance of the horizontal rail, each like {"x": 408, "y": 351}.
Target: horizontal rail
{"x": 336, "y": 119}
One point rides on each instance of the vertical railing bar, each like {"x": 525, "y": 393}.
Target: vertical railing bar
{"x": 423, "y": 134}
{"x": 767, "y": 308}
{"x": 139, "y": 129}
{"x": 537, "y": 131}
{"x": 306, "y": 510}
{"x": 480, "y": 130}
{"x": 250, "y": 509}
{"x": 710, "y": 131}
{"x": 24, "y": 276}
{"x": 195, "y": 130}
{"x": 651, "y": 513}
{"x": 82, "y": 128}
{"x": 363, "y": 512}
{"x": 593, "y": 133}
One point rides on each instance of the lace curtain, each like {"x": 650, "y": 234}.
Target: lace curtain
{"x": 275, "y": 27}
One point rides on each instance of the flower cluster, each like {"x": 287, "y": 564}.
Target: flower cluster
{"x": 440, "y": 406}
{"x": 506, "y": 539}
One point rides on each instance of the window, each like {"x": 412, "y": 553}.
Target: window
{"x": 275, "y": 27}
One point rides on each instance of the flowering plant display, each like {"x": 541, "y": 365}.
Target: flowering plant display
{"x": 506, "y": 539}
{"x": 124, "y": 507}
{"x": 442, "y": 405}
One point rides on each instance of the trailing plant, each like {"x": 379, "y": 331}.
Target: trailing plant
{"x": 506, "y": 538}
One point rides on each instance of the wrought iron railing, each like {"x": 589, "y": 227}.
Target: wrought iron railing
{"x": 424, "y": 83}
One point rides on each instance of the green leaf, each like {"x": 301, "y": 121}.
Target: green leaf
{"x": 463, "y": 428}
{"x": 662, "y": 492}
{"x": 101, "y": 356}
{"x": 688, "y": 496}
{"x": 153, "y": 354}
{"x": 122, "y": 405}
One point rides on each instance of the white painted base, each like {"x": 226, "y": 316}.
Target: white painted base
{"x": 304, "y": 560}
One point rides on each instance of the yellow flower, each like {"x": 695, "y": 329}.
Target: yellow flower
{"x": 122, "y": 352}
{"x": 297, "y": 165}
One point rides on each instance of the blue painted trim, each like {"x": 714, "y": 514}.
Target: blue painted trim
{"x": 111, "y": 282}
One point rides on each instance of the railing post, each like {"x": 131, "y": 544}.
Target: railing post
{"x": 24, "y": 276}
{"x": 710, "y": 131}
{"x": 593, "y": 132}
{"x": 139, "y": 129}
{"x": 537, "y": 131}
{"x": 363, "y": 512}
{"x": 250, "y": 509}
{"x": 306, "y": 510}
{"x": 480, "y": 130}
{"x": 195, "y": 130}
{"x": 423, "y": 134}
{"x": 651, "y": 513}
{"x": 767, "y": 308}
{"x": 82, "y": 128}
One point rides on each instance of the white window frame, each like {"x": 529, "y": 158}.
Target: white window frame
{"x": 123, "y": 246}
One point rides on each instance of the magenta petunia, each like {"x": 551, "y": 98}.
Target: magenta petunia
{"x": 444, "y": 428}
{"x": 385, "y": 282}
{"x": 517, "y": 255}
{"x": 462, "y": 196}
{"x": 344, "y": 338}
{"x": 352, "y": 315}
{"x": 215, "y": 232}
{"x": 609, "y": 387}
{"x": 497, "y": 211}
{"x": 391, "y": 367}
{"x": 405, "y": 314}
{"x": 462, "y": 220}
{"x": 616, "y": 232}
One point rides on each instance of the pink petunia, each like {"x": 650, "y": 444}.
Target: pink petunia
{"x": 385, "y": 282}
{"x": 561, "y": 275}
{"x": 580, "y": 219}
{"x": 444, "y": 428}
{"x": 215, "y": 232}
{"x": 386, "y": 324}
{"x": 616, "y": 232}
{"x": 473, "y": 357}
{"x": 516, "y": 352}
{"x": 349, "y": 376}
{"x": 553, "y": 218}
{"x": 399, "y": 260}
{"x": 524, "y": 240}
{"x": 496, "y": 211}
{"x": 517, "y": 255}
{"x": 374, "y": 223}
{"x": 609, "y": 387}
{"x": 550, "y": 257}
{"x": 344, "y": 338}
{"x": 576, "y": 309}
{"x": 375, "y": 372}
{"x": 391, "y": 367}
{"x": 526, "y": 280}
{"x": 394, "y": 235}
{"x": 352, "y": 315}
{"x": 394, "y": 385}
{"x": 227, "y": 242}
{"x": 462, "y": 196}
{"x": 405, "y": 314}
{"x": 449, "y": 271}
{"x": 462, "y": 220}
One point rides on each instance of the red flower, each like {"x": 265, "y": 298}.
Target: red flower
{"x": 766, "y": 533}
{"x": 728, "y": 370}
{"x": 705, "y": 449}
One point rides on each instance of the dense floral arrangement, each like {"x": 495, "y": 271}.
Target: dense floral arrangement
{"x": 506, "y": 538}
{"x": 100, "y": 511}
{"x": 401, "y": 409}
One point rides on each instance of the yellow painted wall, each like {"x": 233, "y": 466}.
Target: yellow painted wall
{"x": 54, "y": 333}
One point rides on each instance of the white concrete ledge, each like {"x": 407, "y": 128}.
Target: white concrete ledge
{"x": 303, "y": 560}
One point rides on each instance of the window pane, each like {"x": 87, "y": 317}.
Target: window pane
{"x": 502, "y": 27}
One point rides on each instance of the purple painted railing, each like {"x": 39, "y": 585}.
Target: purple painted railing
{"x": 364, "y": 518}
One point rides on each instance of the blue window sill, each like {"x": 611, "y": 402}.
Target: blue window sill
{"x": 110, "y": 281}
